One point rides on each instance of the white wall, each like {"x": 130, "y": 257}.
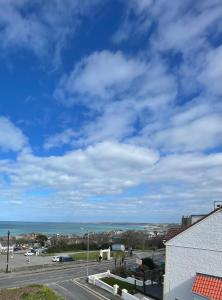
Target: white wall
{"x": 197, "y": 250}
{"x": 103, "y": 285}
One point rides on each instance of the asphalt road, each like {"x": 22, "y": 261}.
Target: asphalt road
{"x": 69, "y": 283}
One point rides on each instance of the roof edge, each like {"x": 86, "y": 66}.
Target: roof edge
{"x": 198, "y": 221}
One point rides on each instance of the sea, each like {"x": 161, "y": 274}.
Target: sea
{"x": 49, "y": 228}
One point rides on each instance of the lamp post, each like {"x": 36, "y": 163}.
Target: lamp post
{"x": 7, "y": 253}
{"x": 87, "y": 262}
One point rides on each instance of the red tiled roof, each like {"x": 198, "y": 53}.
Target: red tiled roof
{"x": 208, "y": 286}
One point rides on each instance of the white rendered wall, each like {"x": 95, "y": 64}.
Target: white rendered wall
{"x": 197, "y": 250}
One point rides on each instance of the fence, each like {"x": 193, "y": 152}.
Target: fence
{"x": 104, "y": 286}
{"x": 95, "y": 280}
{"x": 130, "y": 280}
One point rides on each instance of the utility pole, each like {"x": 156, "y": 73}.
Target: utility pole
{"x": 7, "y": 253}
{"x": 87, "y": 263}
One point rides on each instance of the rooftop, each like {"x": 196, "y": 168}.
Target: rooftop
{"x": 208, "y": 286}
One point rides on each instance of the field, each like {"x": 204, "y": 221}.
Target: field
{"x": 83, "y": 255}
{"x": 32, "y": 292}
{"x": 94, "y": 255}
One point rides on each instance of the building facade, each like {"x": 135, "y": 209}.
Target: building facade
{"x": 196, "y": 250}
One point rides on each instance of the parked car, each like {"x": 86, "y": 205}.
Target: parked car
{"x": 55, "y": 258}
{"x": 65, "y": 258}
{"x": 17, "y": 248}
{"x": 29, "y": 253}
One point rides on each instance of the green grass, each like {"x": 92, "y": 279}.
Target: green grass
{"x": 118, "y": 254}
{"x": 122, "y": 285}
{"x": 32, "y": 292}
{"x": 43, "y": 294}
{"x": 83, "y": 255}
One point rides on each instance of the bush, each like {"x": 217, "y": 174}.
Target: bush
{"x": 62, "y": 247}
{"x": 122, "y": 272}
{"x": 149, "y": 263}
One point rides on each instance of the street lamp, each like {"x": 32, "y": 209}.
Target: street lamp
{"x": 7, "y": 253}
{"x": 87, "y": 262}
{"x": 87, "y": 254}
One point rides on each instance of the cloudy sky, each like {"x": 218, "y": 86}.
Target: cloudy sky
{"x": 110, "y": 110}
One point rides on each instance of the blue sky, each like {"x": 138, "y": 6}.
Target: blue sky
{"x": 110, "y": 110}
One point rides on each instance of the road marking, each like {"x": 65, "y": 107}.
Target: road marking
{"x": 86, "y": 288}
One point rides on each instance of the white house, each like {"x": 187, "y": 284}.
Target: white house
{"x": 4, "y": 248}
{"x": 194, "y": 261}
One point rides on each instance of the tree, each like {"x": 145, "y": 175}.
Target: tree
{"x": 41, "y": 239}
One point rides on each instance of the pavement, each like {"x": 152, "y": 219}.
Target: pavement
{"x": 70, "y": 283}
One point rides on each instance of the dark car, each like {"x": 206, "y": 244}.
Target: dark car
{"x": 65, "y": 258}
{"x": 17, "y": 248}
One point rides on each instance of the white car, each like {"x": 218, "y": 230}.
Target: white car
{"x": 55, "y": 258}
{"x": 29, "y": 253}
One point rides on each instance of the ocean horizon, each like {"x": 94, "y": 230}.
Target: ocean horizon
{"x": 19, "y": 227}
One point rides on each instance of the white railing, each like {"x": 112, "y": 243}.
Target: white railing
{"x": 127, "y": 296}
{"x": 104, "y": 285}
{"x": 95, "y": 280}
{"x": 130, "y": 280}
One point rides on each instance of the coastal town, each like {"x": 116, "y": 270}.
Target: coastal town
{"x": 163, "y": 264}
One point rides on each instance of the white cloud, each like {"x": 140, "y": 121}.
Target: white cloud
{"x": 60, "y": 139}
{"x": 179, "y": 25}
{"x": 211, "y": 75}
{"x": 11, "y": 137}
{"x": 141, "y": 5}
{"x": 194, "y": 110}
{"x": 137, "y": 26}
{"x": 180, "y": 31}
{"x": 41, "y": 26}
{"x": 200, "y": 134}
{"x": 115, "y": 122}
{"x": 105, "y": 168}
{"x": 120, "y": 89}
{"x": 99, "y": 75}
{"x": 114, "y": 76}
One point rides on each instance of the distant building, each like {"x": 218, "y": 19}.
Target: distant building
{"x": 193, "y": 269}
{"x": 118, "y": 247}
{"x": 187, "y": 221}
{"x": 4, "y": 247}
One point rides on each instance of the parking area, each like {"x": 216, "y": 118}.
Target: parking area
{"x": 19, "y": 260}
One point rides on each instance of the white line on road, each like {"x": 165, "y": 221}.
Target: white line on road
{"x": 86, "y": 288}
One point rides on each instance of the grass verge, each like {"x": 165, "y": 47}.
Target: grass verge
{"x": 32, "y": 292}
{"x": 122, "y": 285}
{"x": 83, "y": 255}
